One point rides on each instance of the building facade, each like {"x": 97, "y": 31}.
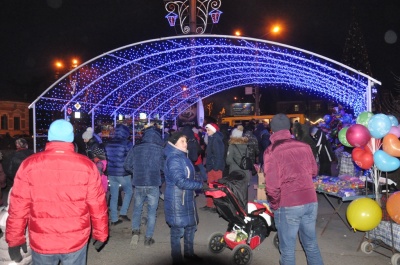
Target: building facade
{"x": 14, "y": 118}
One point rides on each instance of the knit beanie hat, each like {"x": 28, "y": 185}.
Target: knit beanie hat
{"x": 175, "y": 137}
{"x": 99, "y": 152}
{"x": 237, "y": 132}
{"x": 61, "y": 130}
{"x": 88, "y": 134}
{"x": 280, "y": 122}
{"x": 213, "y": 127}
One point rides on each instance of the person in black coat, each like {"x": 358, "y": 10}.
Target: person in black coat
{"x": 16, "y": 159}
{"x": 324, "y": 151}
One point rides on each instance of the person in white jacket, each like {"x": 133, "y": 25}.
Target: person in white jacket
{"x": 4, "y": 256}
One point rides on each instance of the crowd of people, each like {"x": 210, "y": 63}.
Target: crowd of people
{"x": 63, "y": 189}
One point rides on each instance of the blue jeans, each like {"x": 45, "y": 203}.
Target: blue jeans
{"x": 188, "y": 239}
{"x": 126, "y": 184}
{"x": 150, "y": 194}
{"x": 74, "y": 258}
{"x": 301, "y": 220}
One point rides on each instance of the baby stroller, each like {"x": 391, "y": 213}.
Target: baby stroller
{"x": 249, "y": 223}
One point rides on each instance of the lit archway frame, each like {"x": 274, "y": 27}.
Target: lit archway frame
{"x": 162, "y": 77}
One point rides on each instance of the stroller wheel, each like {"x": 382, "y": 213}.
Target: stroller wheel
{"x": 276, "y": 241}
{"x": 242, "y": 254}
{"x": 216, "y": 243}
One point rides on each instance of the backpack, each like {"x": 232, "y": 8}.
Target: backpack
{"x": 194, "y": 149}
{"x": 245, "y": 160}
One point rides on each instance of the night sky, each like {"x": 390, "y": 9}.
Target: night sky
{"x": 35, "y": 33}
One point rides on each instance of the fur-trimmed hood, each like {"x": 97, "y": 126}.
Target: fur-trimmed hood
{"x": 238, "y": 140}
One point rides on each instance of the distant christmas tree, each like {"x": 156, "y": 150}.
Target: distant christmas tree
{"x": 355, "y": 51}
{"x": 355, "y": 55}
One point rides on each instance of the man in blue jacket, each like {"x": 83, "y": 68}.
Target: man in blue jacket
{"x": 145, "y": 161}
{"x": 117, "y": 150}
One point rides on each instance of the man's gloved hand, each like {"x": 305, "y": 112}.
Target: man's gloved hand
{"x": 205, "y": 186}
{"x": 98, "y": 245}
{"x": 15, "y": 252}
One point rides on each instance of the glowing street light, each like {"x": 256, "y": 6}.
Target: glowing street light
{"x": 276, "y": 29}
{"x": 60, "y": 66}
{"x": 75, "y": 63}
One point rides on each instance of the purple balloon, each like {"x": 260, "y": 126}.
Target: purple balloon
{"x": 358, "y": 135}
{"x": 395, "y": 130}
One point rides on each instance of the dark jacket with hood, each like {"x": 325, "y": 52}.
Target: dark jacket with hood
{"x": 302, "y": 133}
{"x": 92, "y": 144}
{"x": 179, "y": 197}
{"x": 193, "y": 145}
{"x": 238, "y": 147}
{"x": 215, "y": 152}
{"x": 15, "y": 161}
{"x": 325, "y": 153}
{"x": 146, "y": 160}
{"x": 117, "y": 149}
{"x": 263, "y": 135}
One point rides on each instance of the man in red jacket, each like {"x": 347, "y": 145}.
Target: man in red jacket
{"x": 57, "y": 193}
{"x": 289, "y": 166}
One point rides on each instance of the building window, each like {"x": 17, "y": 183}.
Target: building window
{"x": 318, "y": 107}
{"x": 296, "y": 108}
{"x": 4, "y": 122}
{"x": 17, "y": 123}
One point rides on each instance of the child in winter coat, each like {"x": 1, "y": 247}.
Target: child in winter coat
{"x": 101, "y": 163}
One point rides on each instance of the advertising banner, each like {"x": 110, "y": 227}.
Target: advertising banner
{"x": 188, "y": 117}
{"x": 243, "y": 109}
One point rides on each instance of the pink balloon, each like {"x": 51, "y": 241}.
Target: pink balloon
{"x": 358, "y": 135}
{"x": 395, "y": 130}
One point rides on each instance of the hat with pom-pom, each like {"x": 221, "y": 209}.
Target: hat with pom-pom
{"x": 213, "y": 127}
{"x": 88, "y": 134}
{"x": 237, "y": 132}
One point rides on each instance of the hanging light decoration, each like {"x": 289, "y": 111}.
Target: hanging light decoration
{"x": 215, "y": 14}
{"x": 171, "y": 17}
{"x": 166, "y": 82}
{"x": 192, "y": 12}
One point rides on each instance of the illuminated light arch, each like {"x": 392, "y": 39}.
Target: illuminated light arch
{"x": 149, "y": 76}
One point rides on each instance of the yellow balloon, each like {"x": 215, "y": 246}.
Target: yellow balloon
{"x": 364, "y": 214}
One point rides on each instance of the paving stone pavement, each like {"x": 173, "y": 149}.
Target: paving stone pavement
{"x": 338, "y": 244}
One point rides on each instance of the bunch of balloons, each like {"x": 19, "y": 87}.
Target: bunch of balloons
{"x": 378, "y": 126}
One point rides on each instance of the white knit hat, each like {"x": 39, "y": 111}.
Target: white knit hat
{"x": 237, "y": 132}
{"x": 88, "y": 134}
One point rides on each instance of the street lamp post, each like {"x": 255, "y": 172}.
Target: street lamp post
{"x": 255, "y": 91}
{"x": 192, "y": 14}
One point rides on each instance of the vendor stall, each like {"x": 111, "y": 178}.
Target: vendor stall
{"x": 343, "y": 189}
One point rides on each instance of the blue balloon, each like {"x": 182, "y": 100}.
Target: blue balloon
{"x": 393, "y": 120}
{"x": 379, "y": 125}
{"x": 327, "y": 119}
{"x": 347, "y": 119}
{"x": 385, "y": 162}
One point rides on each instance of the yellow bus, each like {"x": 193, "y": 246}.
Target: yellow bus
{"x": 232, "y": 121}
